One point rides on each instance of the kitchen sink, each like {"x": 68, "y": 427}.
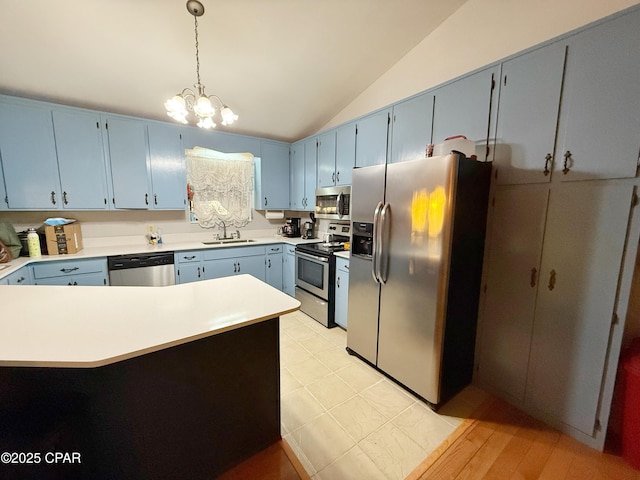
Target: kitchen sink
{"x": 230, "y": 240}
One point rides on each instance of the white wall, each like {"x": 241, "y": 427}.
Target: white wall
{"x": 479, "y": 33}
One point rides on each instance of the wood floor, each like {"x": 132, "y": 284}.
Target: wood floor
{"x": 497, "y": 442}
{"x": 502, "y": 442}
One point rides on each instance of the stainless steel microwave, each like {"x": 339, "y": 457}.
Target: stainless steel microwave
{"x": 333, "y": 202}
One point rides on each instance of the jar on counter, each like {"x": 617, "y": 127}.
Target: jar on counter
{"x": 33, "y": 242}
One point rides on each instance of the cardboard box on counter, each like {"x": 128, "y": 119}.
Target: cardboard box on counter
{"x": 63, "y": 239}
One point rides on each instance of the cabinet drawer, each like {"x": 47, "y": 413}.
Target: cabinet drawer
{"x": 342, "y": 264}
{"x": 235, "y": 252}
{"x": 290, "y": 249}
{"x": 188, "y": 257}
{"x": 73, "y": 267}
{"x": 273, "y": 249}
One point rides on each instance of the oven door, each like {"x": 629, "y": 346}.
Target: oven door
{"x": 312, "y": 274}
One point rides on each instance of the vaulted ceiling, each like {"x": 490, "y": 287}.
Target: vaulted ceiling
{"x": 286, "y": 67}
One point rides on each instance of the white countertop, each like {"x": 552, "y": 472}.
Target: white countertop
{"x": 95, "y": 326}
{"x": 123, "y": 249}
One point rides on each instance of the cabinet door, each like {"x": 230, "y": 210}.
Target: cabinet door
{"x": 513, "y": 264}
{"x": 371, "y": 139}
{"x": 296, "y": 165}
{"x": 224, "y": 267}
{"x": 99, "y": 279}
{"x": 253, "y": 266}
{"x": 464, "y": 108}
{"x": 19, "y": 277}
{"x": 583, "y": 247}
{"x": 272, "y": 176}
{"x": 274, "y": 269}
{"x": 342, "y": 293}
{"x": 601, "y": 101}
{"x": 80, "y": 159}
{"x": 167, "y": 164}
{"x": 327, "y": 159}
{"x": 310, "y": 174}
{"x": 411, "y": 128}
{"x": 289, "y": 271}
{"x": 28, "y": 153}
{"x": 345, "y": 153}
{"x": 128, "y": 160}
{"x": 189, "y": 272}
{"x": 530, "y": 89}
{"x": 3, "y": 192}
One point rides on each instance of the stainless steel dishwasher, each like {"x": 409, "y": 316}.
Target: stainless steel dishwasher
{"x": 142, "y": 270}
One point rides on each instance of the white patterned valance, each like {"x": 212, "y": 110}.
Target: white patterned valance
{"x": 221, "y": 187}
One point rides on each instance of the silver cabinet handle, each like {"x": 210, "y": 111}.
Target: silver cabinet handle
{"x": 552, "y": 280}
{"x": 53, "y": 197}
{"x": 534, "y": 277}
{"x": 64, "y": 198}
{"x": 155, "y": 199}
{"x": 146, "y": 199}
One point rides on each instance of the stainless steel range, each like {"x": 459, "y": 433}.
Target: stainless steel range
{"x": 316, "y": 273}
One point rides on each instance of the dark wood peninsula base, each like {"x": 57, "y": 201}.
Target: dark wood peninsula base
{"x": 188, "y": 411}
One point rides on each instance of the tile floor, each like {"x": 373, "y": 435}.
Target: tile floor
{"x": 343, "y": 419}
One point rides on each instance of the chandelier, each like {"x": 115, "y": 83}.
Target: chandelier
{"x": 198, "y": 102}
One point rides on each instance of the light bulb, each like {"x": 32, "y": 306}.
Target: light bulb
{"x": 203, "y": 107}
{"x": 176, "y": 104}
{"x": 228, "y": 117}
{"x": 206, "y": 122}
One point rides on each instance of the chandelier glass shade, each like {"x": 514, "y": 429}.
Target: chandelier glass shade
{"x": 197, "y": 101}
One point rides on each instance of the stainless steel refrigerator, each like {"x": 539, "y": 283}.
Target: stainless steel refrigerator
{"x": 418, "y": 231}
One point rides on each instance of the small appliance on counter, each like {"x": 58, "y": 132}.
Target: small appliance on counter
{"x": 291, "y": 227}
{"x": 307, "y": 230}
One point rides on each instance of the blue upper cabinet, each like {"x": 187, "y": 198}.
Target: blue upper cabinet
{"x": 345, "y": 152}
{"x": 463, "y": 107}
{"x": 411, "y": 126}
{"x": 371, "y": 139}
{"x": 3, "y": 191}
{"x": 272, "y": 176}
{"x": 127, "y": 147}
{"x": 167, "y": 165}
{"x": 296, "y": 169}
{"x": 530, "y": 90}
{"x": 337, "y": 155}
{"x": 599, "y": 120}
{"x": 310, "y": 173}
{"x": 28, "y": 152}
{"x": 80, "y": 159}
{"x": 327, "y": 159}
{"x": 221, "y": 141}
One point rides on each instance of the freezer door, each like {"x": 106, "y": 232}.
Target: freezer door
{"x": 367, "y": 190}
{"x": 419, "y": 200}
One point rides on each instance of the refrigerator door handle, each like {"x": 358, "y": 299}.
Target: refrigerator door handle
{"x": 385, "y": 222}
{"x": 376, "y": 242}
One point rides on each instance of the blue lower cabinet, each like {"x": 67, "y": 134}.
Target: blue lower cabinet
{"x": 342, "y": 291}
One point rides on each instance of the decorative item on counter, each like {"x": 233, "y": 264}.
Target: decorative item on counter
{"x": 152, "y": 236}
{"x": 457, "y": 143}
{"x": 33, "y": 241}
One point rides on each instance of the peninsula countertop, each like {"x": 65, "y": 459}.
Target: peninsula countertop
{"x": 85, "y": 327}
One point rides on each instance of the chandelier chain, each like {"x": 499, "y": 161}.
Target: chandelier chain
{"x": 197, "y": 51}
